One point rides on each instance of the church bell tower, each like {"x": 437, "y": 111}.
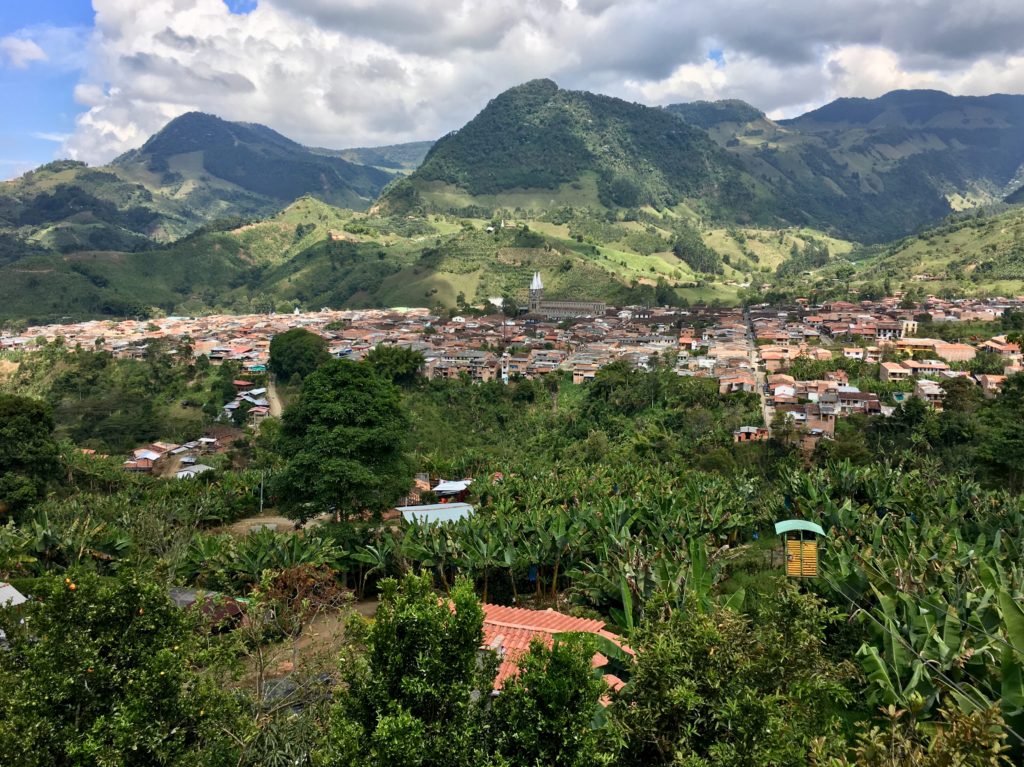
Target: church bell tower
{"x": 536, "y": 293}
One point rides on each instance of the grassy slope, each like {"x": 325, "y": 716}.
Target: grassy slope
{"x": 977, "y": 255}
{"x": 375, "y": 261}
{"x": 877, "y": 169}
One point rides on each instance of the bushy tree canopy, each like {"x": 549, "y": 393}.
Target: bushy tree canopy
{"x": 297, "y": 351}
{"x": 398, "y": 364}
{"x": 28, "y": 452}
{"x": 345, "y": 442}
{"x": 410, "y": 698}
{"x": 104, "y": 672}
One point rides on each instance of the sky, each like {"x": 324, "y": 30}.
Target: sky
{"x": 89, "y": 80}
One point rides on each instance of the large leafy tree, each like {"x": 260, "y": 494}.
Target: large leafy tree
{"x": 345, "y": 443}
{"x": 414, "y": 697}
{"x": 544, "y": 715}
{"x": 297, "y": 351}
{"x": 398, "y": 364}
{"x": 104, "y": 672}
{"x": 1002, "y": 443}
{"x": 28, "y": 452}
{"x": 720, "y": 689}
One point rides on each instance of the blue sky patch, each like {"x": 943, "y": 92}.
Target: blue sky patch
{"x": 241, "y": 7}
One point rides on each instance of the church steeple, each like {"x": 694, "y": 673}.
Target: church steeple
{"x": 536, "y": 292}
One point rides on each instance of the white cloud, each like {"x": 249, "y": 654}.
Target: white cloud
{"x": 20, "y": 52}
{"x": 357, "y": 72}
{"x": 58, "y": 138}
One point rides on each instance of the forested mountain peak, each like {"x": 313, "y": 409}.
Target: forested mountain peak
{"x": 707, "y": 114}
{"x": 914, "y": 108}
{"x": 202, "y": 155}
{"x": 571, "y": 147}
{"x": 197, "y": 131}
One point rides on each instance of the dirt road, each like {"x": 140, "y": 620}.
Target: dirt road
{"x": 275, "y": 401}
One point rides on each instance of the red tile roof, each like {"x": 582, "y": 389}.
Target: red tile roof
{"x": 509, "y": 630}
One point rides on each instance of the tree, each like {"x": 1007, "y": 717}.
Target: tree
{"x": 344, "y": 441}
{"x": 960, "y": 395}
{"x": 417, "y": 694}
{"x": 509, "y": 307}
{"x": 103, "y": 672}
{"x": 544, "y": 714}
{"x": 28, "y": 452}
{"x": 690, "y": 248}
{"x": 724, "y": 690}
{"x": 971, "y": 739}
{"x": 297, "y": 351}
{"x": 398, "y": 364}
{"x": 1002, "y": 445}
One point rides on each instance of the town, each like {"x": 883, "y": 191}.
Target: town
{"x": 758, "y": 349}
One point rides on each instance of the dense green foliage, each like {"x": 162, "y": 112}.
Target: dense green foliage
{"x": 538, "y": 136}
{"x": 345, "y": 443}
{"x": 544, "y": 714}
{"x": 722, "y": 689}
{"x": 690, "y": 248}
{"x": 409, "y": 702}
{"x": 112, "y": 405}
{"x": 297, "y": 352}
{"x": 397, "y": 364}
{"x": 108, "y": 672}
{"x": 838, "y": 168}
{"x": 624, "y": 498}
{"x": 707, "y": 114}
{"x": 28, "y": 452}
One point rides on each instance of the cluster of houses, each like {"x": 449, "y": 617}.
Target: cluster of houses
{"x": 732, "y": 346}
{"x": 167, "y": 459}
{"x": 250, "y": 399}
{"x": 882, "y": 333}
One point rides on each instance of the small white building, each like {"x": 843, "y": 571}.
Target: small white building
{"x": 191, "y": 472}
{"x": 9, "y": 597}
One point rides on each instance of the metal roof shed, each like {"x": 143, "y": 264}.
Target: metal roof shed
{"x": 790, "y": 525}
{"x": 800, "y": 546}
{"x": 436, "y": 512}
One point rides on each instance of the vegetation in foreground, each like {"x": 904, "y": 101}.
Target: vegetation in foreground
{"x": 623, "y": 499}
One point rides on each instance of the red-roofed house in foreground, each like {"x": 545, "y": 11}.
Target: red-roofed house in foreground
{"x": 509, "y": 631}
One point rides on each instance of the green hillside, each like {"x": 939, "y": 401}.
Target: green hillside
{"x": 544, "y": 146}
{"x": 608, "y": 199}
{"x": 314, "y": 255}
{"x": 243, "y": 169}
{"x": 66, "y": 206}
{"x": 708, "y": 114}
{"x": 394, "y": 157}
{"x": 198, "y": 169}
{"x": 877, "y": 169}
{"x": 977, "y": 254}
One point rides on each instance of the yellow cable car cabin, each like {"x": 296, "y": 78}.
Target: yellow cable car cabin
{"x": 800, "y": 546}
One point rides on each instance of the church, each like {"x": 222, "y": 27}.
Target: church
{"x": 560, "y": 310}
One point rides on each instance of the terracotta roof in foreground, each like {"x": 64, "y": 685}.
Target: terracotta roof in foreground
{"x": 509, "y": 630}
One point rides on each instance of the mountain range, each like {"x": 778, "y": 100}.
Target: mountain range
{"x": 618, "y": 196}
{"x": 864, "y": 169}
{"x": 197, "y": 169}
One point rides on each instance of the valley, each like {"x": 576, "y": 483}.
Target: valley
{"x": 592, "y": 433}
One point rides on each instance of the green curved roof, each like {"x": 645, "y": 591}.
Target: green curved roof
{"x": 789, "y": 525}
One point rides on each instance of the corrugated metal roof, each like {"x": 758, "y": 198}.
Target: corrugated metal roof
{"x": 10, "y": 596}
{"x": 790, "y": 525}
